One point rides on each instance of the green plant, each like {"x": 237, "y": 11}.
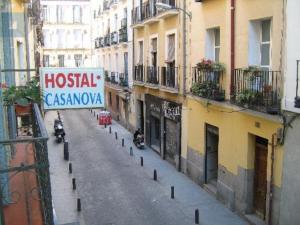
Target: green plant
{"x": 247, "y": 97}
{"x": 23, "y": 95}
{"x": 207, "y": 64}
{"x": 208, "y": 89}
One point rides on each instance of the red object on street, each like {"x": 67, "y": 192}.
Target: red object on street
{"x": 105, "y": 118}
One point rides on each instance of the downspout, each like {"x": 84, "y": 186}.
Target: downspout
{"x": 232, "y": 44}
{"x": 184, "y": 46}
{"x": 26, "y": 42}
{"x": 271, "y": 180}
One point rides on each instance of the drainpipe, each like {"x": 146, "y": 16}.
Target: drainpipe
{"x": 184, "y": 47}
{"x": 26, "y": 41}
{"x": 271, "y": 180}
{"x": 232, "y": 44}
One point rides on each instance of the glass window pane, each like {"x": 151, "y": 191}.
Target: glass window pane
{"x": 217, "y": 37}
{"x": 265, "y": 28}
{"x": 265, "y": 54}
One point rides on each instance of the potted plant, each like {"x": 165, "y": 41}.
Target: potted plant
{"x": 207, "y": 64}
{"x": 23, "y": 97}
{"x": 208, "y": 89}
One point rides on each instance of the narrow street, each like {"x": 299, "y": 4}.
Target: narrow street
{"x": 116, "y": 190}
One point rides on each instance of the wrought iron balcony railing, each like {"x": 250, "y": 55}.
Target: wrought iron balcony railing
{"x": 27, "y": 175}
{"x": 113, "y": 78}
{"x": 106, "y": 5}
{"x": 139, "y": 73}
{"x": 207, "y": 83}
{"x": 152, "y": 75}
{"x": 123, "y": 79}
{"x": 124, "y": 22}
{"x": 169, "y": 76}
{"x": 114, "y": 38}
{"x": 107, "y": 40}
{"x": 297, "y": 98}
{"x": 123, "y": 36}
{"x": 257, "y": 89}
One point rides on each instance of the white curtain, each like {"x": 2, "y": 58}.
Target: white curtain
{"x": 171, "y": 48}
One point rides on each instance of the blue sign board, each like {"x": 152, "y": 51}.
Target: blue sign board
{"x": 72, "y": 88}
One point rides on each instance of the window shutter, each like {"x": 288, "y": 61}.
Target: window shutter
{"x": 171, "y": 48}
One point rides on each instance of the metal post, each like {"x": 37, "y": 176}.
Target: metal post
{"x": 197, "y": 216}
{"x": 66, "y": 150}
{"x": 109, "y": 129}
{"x": 70, "y": 168}
{"x": 155, "y": 175}
{"x": 142, "y": 161}
{"x": 131, "y": 151}
{"x": 184, "y": 46}
{"x": 116, "y": 135}
{"x": 122, "y": 142}
{"x": 172, "y": 192}
{"x": 74, "y": 183}
{"x": 78, "y": 204}
{"x": 97, "y": 117}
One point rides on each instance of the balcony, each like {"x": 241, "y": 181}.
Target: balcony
{"x": 257, "y": 89}
{"x": 297, "y": 98}
{"x": 107, "y": 40}
{"x": 207, "y": 83}
{"x": 164, "y": 14}
{"x": 114, "y": 38}
{"x": 152, "y": 76}
{"x": 25, "y": 177}
{"x": 123, "y": 36}
{"x": 138, "y": 74}
{"x": 150, "y": 12}
{"x": 137, "y": 18}
{"x": 113, "y": 78}
{"x": 101, "y": 42}
{"x": 97, "y": 44}
{"x": 169, "y": 77}
{"x": 114, "y": 4}
{"x": 106, "y": 5}
{"x": 123, "y": 79}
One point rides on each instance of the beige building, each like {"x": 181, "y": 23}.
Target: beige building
{"x": 112, "y": 51}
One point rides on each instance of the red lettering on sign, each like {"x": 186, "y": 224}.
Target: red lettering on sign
{"x": 92, "y": 81}
{"x": 70, "y": 80}
{"x": 77, "y": 75}
{"x": 60, "y": 80}
{"x": 49, "y": 80}
{"x": 84, "y": 81}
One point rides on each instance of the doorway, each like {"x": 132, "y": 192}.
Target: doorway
{"x": 140, "y": 119}
{"x": 170, "y": 140}
{"x": 260, "y": 177}
{"x": 211, "y": 156}
{"x": 155, "y": 133}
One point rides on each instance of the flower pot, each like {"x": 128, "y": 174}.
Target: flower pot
{"x": 22, "y": 110}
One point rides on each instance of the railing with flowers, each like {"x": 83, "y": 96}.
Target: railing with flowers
{"x": 207, "y": 80}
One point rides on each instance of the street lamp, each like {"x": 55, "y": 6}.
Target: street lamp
{"x": 163, "y": 6}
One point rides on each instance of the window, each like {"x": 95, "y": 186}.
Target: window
{"x": 61, "y": 38}
{"x": 46, "y": 60}
{"x": 212, "y": 44}
{"x": 46, "y": 13}
{"x": 110, "y": 99}
{"x": 61, "y": 60}
{"x": 78, "y": 60}
{"x": 154, "y": 52}
{"x": 171, "y": 49}
{"x": 141, "y": 53}
{"x": 77, "y": 14}
{"x": 117, "y": 102}
{"x": 78, "y": 38}
{"x": 116, "y": 22}
{"x": 59, "y": 14}
{"x": 117, "y": 62}
{"x": 259, "y": 49}
{"x": 265, "y": 44}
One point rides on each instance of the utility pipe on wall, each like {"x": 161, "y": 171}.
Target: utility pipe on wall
{"x": 232, "y": 43}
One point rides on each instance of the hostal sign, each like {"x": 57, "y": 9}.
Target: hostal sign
{"x": 65, "y": 88}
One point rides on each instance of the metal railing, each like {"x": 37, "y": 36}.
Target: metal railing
{"x": 139, "y": 73}
{"x": 123, "y": 79}
{"x": 29, "y": 163}
{"x": 114, "y": 38}
{"x": 106, "y": 5}
{"x": 152, "y": 75}
{"x": 169, "y": 76}
{"x": 259, "y": 90}
{"x": 297, "y": 98}
{"x": 207, "y": 83}
{"x": 113, "y": 78}
{"x": 124, "y": 22}
{"x": 107, "y": 40}
{"x": 97, "y": 43}
{"x": 123, "y": 36}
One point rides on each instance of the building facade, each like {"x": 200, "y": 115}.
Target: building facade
{"x": 289, "y": 206}
{"x": 67, "y": 33}
{"x": 112, "y": 51}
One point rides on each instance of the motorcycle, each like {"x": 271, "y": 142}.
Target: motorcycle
{"x": 59, "y": 131}
{"x": 138, "y": 140}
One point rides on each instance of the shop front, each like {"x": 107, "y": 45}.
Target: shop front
{"x": 163, "y": 128}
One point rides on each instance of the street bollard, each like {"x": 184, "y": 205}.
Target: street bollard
{"x": 66, "y": 150}
{"x": 116, "y": 135}
{"x": 155, "y": 175}
{"x": 142, "y": 161}
{"x": 78, "y": 204}
{"x": 172, "y": 192}
{"x": 131, "y": 151}
{"x": 74, "y": 183}
{"x": 197, "y": 216}
{"x": 70, "y": 168}
{"x": 109, "y": 129}
{"x": 97, "y": 117}
{"x": 105, "y": 126}
{"x": 122, "y": 142}
{"x": 94, "y": 113}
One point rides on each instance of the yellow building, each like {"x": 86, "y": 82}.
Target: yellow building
{"x": 231, "y": 123}
{"x": 158, "y": 80}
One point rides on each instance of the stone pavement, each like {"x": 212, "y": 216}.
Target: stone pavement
{"x": 187, "y": 193}
{"x": 64, "y": 198}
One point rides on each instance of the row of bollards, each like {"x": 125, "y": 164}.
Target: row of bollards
{"x": 155, "y": 174}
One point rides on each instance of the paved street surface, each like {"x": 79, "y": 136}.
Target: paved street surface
{"x": 116, "y": 190}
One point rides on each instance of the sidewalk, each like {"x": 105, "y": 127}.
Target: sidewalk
{"x": 187, "y": 193}
{"x": 64, "y": 198}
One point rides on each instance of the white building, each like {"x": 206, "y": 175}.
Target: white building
{"x": 112, "y": 35}
{"x": 66, "y": 30}
{"x": 290, "y": 198}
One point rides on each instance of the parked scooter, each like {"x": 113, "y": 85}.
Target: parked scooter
{"x": 138, "y": 139}
{"x": 59, "y": 131}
